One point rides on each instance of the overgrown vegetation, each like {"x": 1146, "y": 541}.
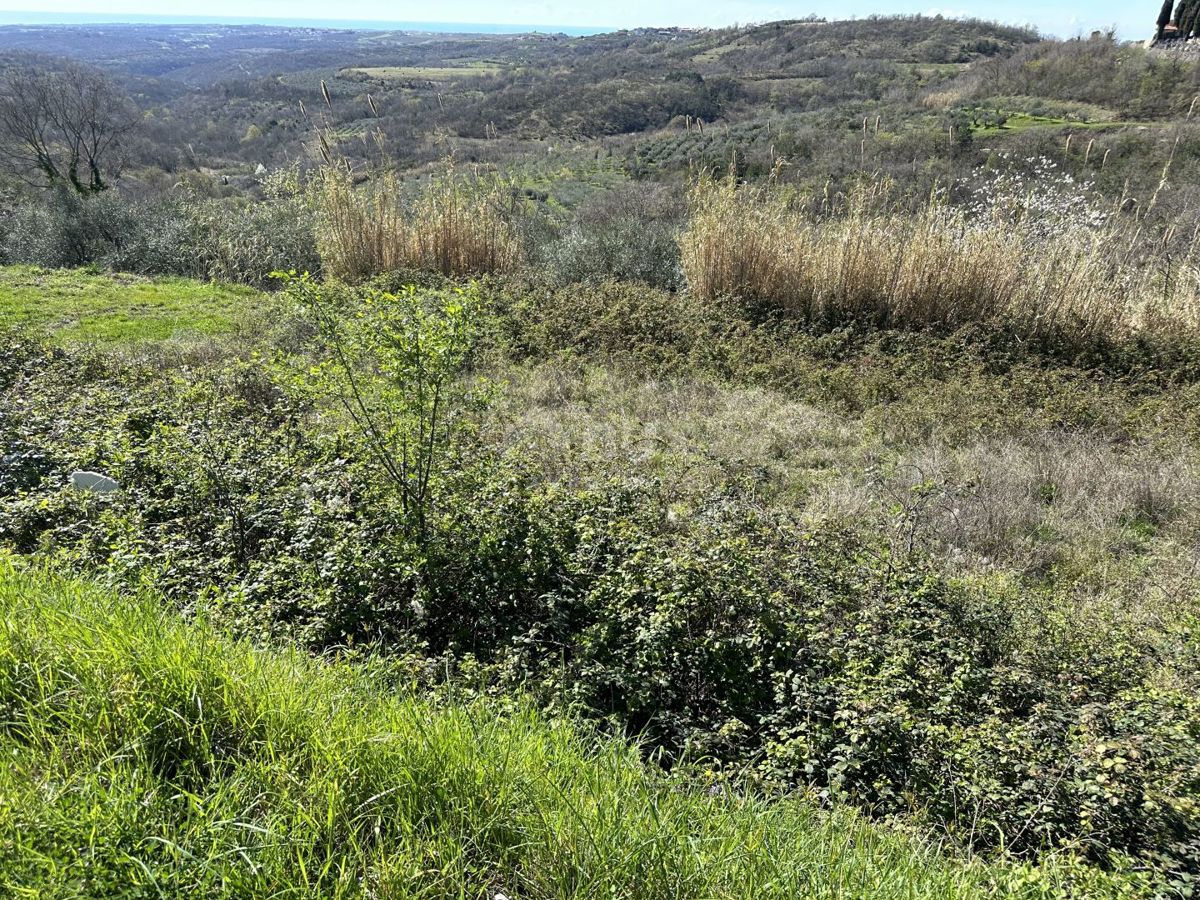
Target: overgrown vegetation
{"x": 455, "y": 226}
{"x": 937, "y": 267}
{"x": 647, "y": 515}
{"x": 727, "y": 617}
{"x": 183, "y": 763}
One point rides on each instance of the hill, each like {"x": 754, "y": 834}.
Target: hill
{"x": 149, "y": 757}
{"x": 662, "y": 463}
{"x": 538, "y": 86}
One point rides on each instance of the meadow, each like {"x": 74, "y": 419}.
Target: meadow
{"x": 423, "y": 73}
{"x": 82, "y": 307}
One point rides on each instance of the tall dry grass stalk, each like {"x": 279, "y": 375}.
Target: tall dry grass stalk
{"x": 933, "y": 267}
{"x": 456, "y": 225}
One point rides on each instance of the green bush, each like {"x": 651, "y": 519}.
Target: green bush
{"x": 62, "y": 228}
{"x": 611, "y": 320}
{"x": 394, "y": 362}
{"x": 628, "y": 235}
{"x": 172, "y": 234}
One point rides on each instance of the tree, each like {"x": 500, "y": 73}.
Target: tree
{"x": 1187, "y": 17}
{"x": 1164, "y": 18}
{"x": 63, "y": 125}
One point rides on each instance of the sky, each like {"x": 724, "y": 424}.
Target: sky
{"x": 1134, "y": 19}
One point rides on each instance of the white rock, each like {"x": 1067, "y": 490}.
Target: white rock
{"x": 94, "y": 482}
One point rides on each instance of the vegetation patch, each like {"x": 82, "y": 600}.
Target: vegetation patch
{"x": 367, "y": 494}
{"x": 422, "y": 73}
{"x": 986, "y": 122}
{"x": 145, "y": 756}
{"x": 82, "y": 307}
{"x": 678, "y": 471}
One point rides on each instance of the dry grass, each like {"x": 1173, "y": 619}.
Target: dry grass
{"x": 456, "y": 225}
{"x": 945, "y": 99}
{"x": 1031, "y": 503}
{"x": 1116, "y": 527}
{"x": 934, "y": 267}
{"x": 692, "y": 436}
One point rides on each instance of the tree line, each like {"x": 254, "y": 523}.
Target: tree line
{"x": 1184, "y": 14}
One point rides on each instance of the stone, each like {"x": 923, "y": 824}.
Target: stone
{"x": 94, "y": 482}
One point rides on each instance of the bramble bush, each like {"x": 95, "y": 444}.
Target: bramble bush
{"x": 730, "y": 637}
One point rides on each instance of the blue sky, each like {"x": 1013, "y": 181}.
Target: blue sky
{"x": 1133, "y": 19}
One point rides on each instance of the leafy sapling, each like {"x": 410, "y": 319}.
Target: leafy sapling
{"x": 396, "y": 363}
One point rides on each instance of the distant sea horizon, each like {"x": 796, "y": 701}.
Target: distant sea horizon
{"x": 10, "y": 18}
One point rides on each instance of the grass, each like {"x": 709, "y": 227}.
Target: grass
{"x": 457, "y": 225}
{"x": 933, "y": 268}
{"x": 77, "y": 306}
{"x": 1017, "y": 122}
{"x": 1104, "y": 520}
{"x": 425, "y": 73}
{"x": 148, "y": 756}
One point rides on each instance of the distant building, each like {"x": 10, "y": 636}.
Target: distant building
{"x": 1171, "y": 33}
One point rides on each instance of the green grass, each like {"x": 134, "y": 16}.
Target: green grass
{"x": 76, "y": 306}
{"x": 150, "y": 757}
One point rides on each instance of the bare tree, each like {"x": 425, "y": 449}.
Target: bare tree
{"x": 63, "y": 125}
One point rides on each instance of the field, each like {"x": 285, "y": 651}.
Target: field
{"x": 92, "y": 308}
{"x": 1019, "y": 121}
{"x": 751, "y": 462}
{"x": 424, "y": 73}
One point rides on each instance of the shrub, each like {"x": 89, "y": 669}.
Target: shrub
{"x": 247, "y": 243}
{"x": 721, "y": 633}
{"x": 629, "y": 235}
{"x": 395, "y": 364}
{"x": 169, "y": 234}
{"x": 64, "y": 228}
{"x": 606, "y": 319}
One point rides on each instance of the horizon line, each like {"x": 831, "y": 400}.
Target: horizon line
{"x": 32, "y": 18}
{"x": 19, "y": 18}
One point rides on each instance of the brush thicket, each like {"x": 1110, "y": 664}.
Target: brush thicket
{"x": 145, "y": 755}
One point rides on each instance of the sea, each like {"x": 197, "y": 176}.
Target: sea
{"x": 66, "y": 18}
